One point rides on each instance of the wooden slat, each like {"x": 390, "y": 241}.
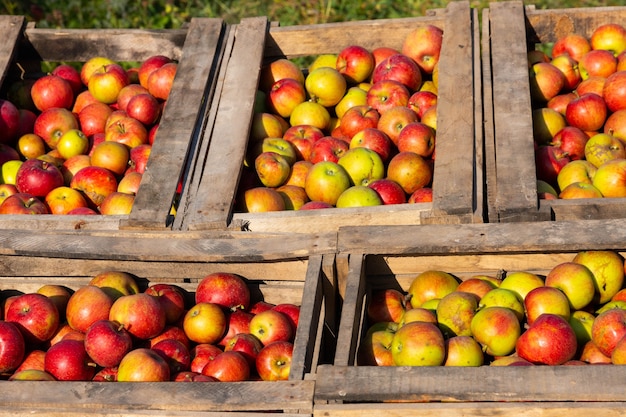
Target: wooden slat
{"x": 178, "y": 134}
{"x": 12, "y": 27}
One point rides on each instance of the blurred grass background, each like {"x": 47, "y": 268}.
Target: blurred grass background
{"x": 172, "y": 14}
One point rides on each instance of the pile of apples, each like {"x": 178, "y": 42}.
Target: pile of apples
{"x": 574, "y": 315}
{"x": 110, "y": 330}
{"x": 77, "y": 141}
{"x": 355, "y": 129}
{"x": 578, "y": 92}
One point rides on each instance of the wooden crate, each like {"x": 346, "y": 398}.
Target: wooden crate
{"x": 197, "y": 48}
{"x": 306, "y": 281}
{"x": 383, "y": 257}
{"x": 509, "y": 31}
{"x": 458, "y": 176}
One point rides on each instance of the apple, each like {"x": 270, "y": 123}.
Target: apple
{"x": 610, "y": 37}
{"x": 580, "y": 190}
{"x": 145, "y": 108}
{"x": 400, "y": 68}
{"x": 323, "y": 60}
{"x": 597, "y": 62}
{"x": 390, "y": 192}
{"x": 298, "y": 173}
{"x": 593, "y": 84}
{"x": 310, "y": 113}
{"x": 410, "y": 171}
{"x": 143, "y": 365}
{"x": 521, "y": 282}
{"x": 355, "y": 63}
{"x": 570, "y": 69}
{"x": 117, "y": 203}
{"x": 294, "y": 196}
{"x": 560, "y": 101}
{"x": 588, "y": 112}
{"x": 95, "y": 183}
{"x": 52, "y": 123}
{"x": 9, "y": 171}
{"x": 422, "y": 100}
{"x": 205, "y": 323}
{"x": 9, "y": 121}
{"x": 30, "y": 146}
{"x": 549, "y": 340}
{"x": 358, "y": 196}
{"x": 87, "y": 305}
{"x": 272, "y": 169}
{"x": 418, "y": 344}
{"x": 73, "y": 142}
{"x": 262, "y": 199}
{"x": 38, "y": 177}
{"x": 610, "y": 178}
{"x": 128, "y": 131}
{"x": 71, "y": 75}
{"x": 578, "y": 171}
{"x": 375, "y": 347}
{"x": 246, "y": 344}
{"x": 12, "y": 347}
{"x": 546, "y": 300}
{"x": 68, "y": 360}
{"x": 128, "y": 92}
{"x": 418, "y": 138}
{"x": 430, "y": 285}
{"x": 315, "y": 205}
{"x": 358, "y": 118}
{"x": 607, "y": 268}
{"x": 546, "y": 81}
{"x": 175, "y": 353}
{"x": 6, "y": 190}
{"x": 463, "y": 351}
{"x": 106, "y": 375}
{"x": 284, "y": 95}
{"x": 273, "y": 362}
{"x": 572, "y": 44}
{"x": 23, "y": 203}
{"x": 63, "y": 199}
{"x": 106, "y": 82}
{"x": 477, "y": 286}
{"x": 386, "y": 94}
{"x": 363, "y": 165}
{"x": 455, "y": 312}
{"x": 496, "y": 329}
{"x": 114, "y": 156}
{"x": 423, "y": 45}
{"x": 608, "y": 328}
{"x": 238, "y": 322}
{"x": 278, "y": 69}
{"x": 228, "y": 366}
{"x": 271, "y": 326}
{"x": 615, "y": 125}
{"x": 614, "y": 91}
{"x": 502, "y": 297}
{"x": 35, "y": 315}
{"x": 52, "y": 91}
{"x": 549, "y": 161}
{"x": 572, "y": 140}
{"x": 394, "y": 120}
{"x": 355, "y": 96}
{"x": 92, "y": 118}
{"x": 91, "y": 65}
{"x": 299, "y": 134}
{"x": 141, "y": 314}
{"x": 582, "y": 322}
{"x": 189, "y": 376}
{"x": 149, "y": 65}
{"x": 171, "y": 331}
{"x": 326, "y": 181}
{"x": 201, "y": 354}
{"x": 325, "y": 86}
{"x": 115, "y": 283}
{"x": 171, "y": 298}
{"x": 374, "y": 139}
{"x": 107, "y": 342}
{"x": 547, "y": 123}
{"x": 139, "y": 156}
{"x": 225, "y": 289}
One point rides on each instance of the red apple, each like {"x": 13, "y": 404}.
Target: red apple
{"x": 238, "y": 322}
{"x": 422, "y": 195}
{"x": 549, "y": 161}
{"x": 610, "y": 37}
{"x": 128, "y": 131}
{"x": 128, "y": 92}
{"x": 23, "y": 203}
{"x": 150, "y": 64}
{"x": 38, "y": 177}
{"x": 423, "y": 45}
{"x": 386, "y": 94}
{"x": 386, "y": 305}
{"x": 12, "y": 347}
{"x": 395, "y": 119}
{"x": 302, "y": 137}
{"x": 228, "y": 290}
{"x": 95, "y": 182}
{"x": 418, "y": 344}
{"x": 271, "y": 326}
{"x": 497, "y": 329}
{"x": 328, "y": 149}
{"x": 420, "y": 101}
{"x": 615, "y": 125}
{"x": 139, "y": 156}
{"x": 145, "y": 108}
{"x": 418, "y": 138}
{"x": 292, "y": 311}
{"x": 273, "y": 363}
{"x": 171, "y": 298}
{"x": 172, "y": 331}
{"x": 591, "y": 85}
{"x": 570, "y": 69}
{"x": 399, "y": 68}
{"x": 544, "y": 300}
{"x": 246, "y": 344}
{"x": 607, "y": 329}
{"x": 546, "y": 81}
{"x": 52, "y": 123}
{"x": 614, "y": 91}
{"x": 278, "y": 69}
{"x": 106, "y": 375}
{"x": 355, "y": 63}
{"x": 160, "y": 80}
{"x": 106, "y": 82}
{"x": 71, "y": 75}
{"x": 572, "y": 44}
{"x": 189, "y": 376}
{"x": 52, "y": 91}
{"x": 382, "y": 52}
{"x": 93, "y": 117}
{"x": 201, "y": 354}
{"x": 571, "y": 140}
{"x": 87, "y": 305}
{"x": 390, "y": 192}
{"x": 374, "y": 139}
{"x": 175, "y": 353}
{"x": 230, "y": 366}
{"x": 560, "y": 101}
{"x": 68, "y": 361}
{"x": 587, "y": 112}
{"x": 9, "y": 121}
{"x": 35, "y": 315}
{"x": 375, "y": 347}
{"x": 598, "y": 63}
{"x": 550, "y": 340}
{"x": 33, "y": 360}
{"x": 262, "y": 199}
{"x": 141, "y": 314}
{"x": 410, "y": 171}
{"x": 284, "y": 95}
{"x": 107, "y": 342}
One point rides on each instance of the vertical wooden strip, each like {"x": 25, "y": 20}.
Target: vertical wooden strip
{"x": 11, "y": 31}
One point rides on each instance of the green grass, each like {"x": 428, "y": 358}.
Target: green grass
{"x": 169, "y": 14}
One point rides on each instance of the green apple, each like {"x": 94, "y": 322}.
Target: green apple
{"x": 9, "y": 171}
{"x": 355, "y": 96}
{"x": 503, "y": 297}
{"x": 455, "y": 312}
{"x": 496, "y": 329}
{"x": 359, "y": 196}
{"x": 608, "y": 271}
{"x": 463, "y": 351}
{"x": 603, "y": 147}
{"x": 521, "y": 283}
{"x": 72, "y": 143}
{"x": 276, "y": 145}
{"x": 611, "y": 305}
{"x": 582, "y": 321}
{"x": 325, "y": 86}
{"x": 326, "y": 181}
{"x": 363, "y": 165}
{"x": 546, "y": 123}
{"x": 575, "y": 280}
{"x": 418, "y": 344}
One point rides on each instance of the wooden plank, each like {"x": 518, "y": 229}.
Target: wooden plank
{"x": 12, "y": 27}
{"x": 229, "y": 136}
{"x": 516, "y": 189}
{"x": 124, "y": 412}
{"x": 178, "y": 134}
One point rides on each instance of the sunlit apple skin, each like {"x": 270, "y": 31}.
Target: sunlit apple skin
{"x": 205, "y": 323}
{"x": 38, "y": 177}
{"x": 201, "y": 354}
{"x": 550, "y": 340}
{"x": 12, "y": 347}
{"x": 546, "y": 300}
{"x": 273, "y": 363}
{"x": 93, "y": 117}
{"x": 478, "y": 287}
{"x": 271, "y": 326}
{"x": 547, "y": 123}
{"x": 358, "y": 196}
{"x": 569, "y": 68}
{"x": 326, "y": 181}
{"x": 143, "y": 365}
{"x": 355, "y": 63}
{"x": 117, "y": 203}
{"x": 175, "y": 353}
{"x": 455, "y": 312}
{"x": 598, "y": 63}
{"x": 423, "y": 45}
{"x": 572, "y": 140}
{"x": 463, "y": 351}
{"x": 608, "y": 270}
{"x": 560, "y": 101}
{"x": 328, "y": 149}
{"x": 23, "y": 203}
{"x": 87, "y": 305}
{"x": 579, "y": 171}
{"x": 394, "y": 120}
{"x": 311, "y": 113}
{"x": 430, "y": 285}
{"x": 374, "y": 139}
{"x": 503, "y": 297}
{"x": 418, "y": 344}
{"x": 574, "y": 45}
{"x": 410, "y": 171}
{"x": 68, "y": 360}
{"x": 588, "y": 112}
{"x": 417, "y": 138}
{"x": 262, "y": 199}
{"x": 145, "y": 108}
{"x": 128, "y": 131}
{"x": 35, "y": 315}
{"x": 400, "y": 68}
{"x": 228, "y": 366}
{"x": 614, "y": 91}
{"x": 106, "y": 82}
{"x": 52, "y": 91}
{"x": 610, "y": 178}
{"x": 161, "y": 80}
{"x": 497, "y": 329}
{"x": 602, "y": 147}
{"x": 171, "y": 298}
{"x": 610, "y": 37}
{"x": 52, "y": 123}
{"x": 363, "y": 165}
{"x": 150, "y": 64}
{"x": 358, "y": 118}
{"x": 386, "y": 94}
{"x": 375, "y": 347}
{"x": 226, "y": 289}
{"x": 549, "y": 161}
{"x": 107, "y": 342}
{"x": 246, "y": 344}
{"x": 141, "y": 314}
{"x": 390, "y": 192}
{"x": 325, "y": 86}
{"x": 272, "y": 169}
{"x": 580, "y": 190}
{"x": 546, "y": 81}
{"x": 95, "y": 182}
{"x": 285, "y": 95}
{"x": 31, "y": 375}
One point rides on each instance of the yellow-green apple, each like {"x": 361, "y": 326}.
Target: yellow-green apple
{"x": 521, "y": 282}
{"x": 463, "y": 351}
{"x": 375, "y": 347}
{"x": 582, "y": 322}
{"x": 423, "y": 45}
{"x": 13, "y": 347}
{"x": 160, "y": 80}
{"x": 610, "y": 178}
{"x": 355, "y": 63}
{"x": 205, "y": 322}
{"x": 610, "y": 37}
{"x": 106, "y": 82}
{"x": 592, "y": 355}
{"x": 38, "y": 177}
{"x": 51, "y": 124}
{"x": 323, "y": 60}
{"x": 607, "y": 329}
{"x": 355, "y": 96}
{"x": 31, "y": 146}
{"x": 394, "y": 120}
{"x": 62, "y": 200}
{"x": 615, "y": 125}
{"x": 597, "y": 62}
{"x": 569, "y": 68}
{"x": 129, "y": 183}
{"x": 310, "y": 113}
{"x": 578, "y": 171}
{"x": 23, "y": 203}
{"x": 95, "y": 183}
{"x": 546, "y": 81}
{"x": 295, "y": 196}
{"x": 572, "y": 140}
{"x": 273, "y": 362}
{"x": 262, "y": 199}
{"x": 386, "y": 305}
{"x": 390, "y": 192}
{"x": 418, "y": 138}
{"x": 618, "y": 357}
{"x": 150, "y": 64}
{"x": 502, "y": 297}
{"x": 87, "y": 305}
{"x": 35, "y": 315}
{"x": 52, "y": 91}
{"x": 587, "y": 112}
{"x": 298, "y": 173}
{"x": 325, "y": 86}
{"x": 580, "y": 190}
{"x": 272, "y": 169}
{"x": 143, "y": 365}
{"x": 358, "y": 118}
{"x": 71, "y": 143}
{"x": 328, "y": 149}
{"x": 590, "y": 85}
{"x": 418, "y": 344}
{"x": 547, "y": 123}
{"x": 560, "y": 101}
{"x": 496, "y": 329}
{"x": 279, "y": 69}
{"x": 614, "y": 91}
{"x": 73, "y": 165}
{"x": 326, "y": 181}
{"x": 68, "y": 360}
{"x": 284, "y": 95}
{"x": 115, "y": 283}
{"x": 138, "y": 158}
{"x": 429, "y": 285}
{"x": 145, "y": 108}
{"x": 421, "y": 195}
{"x": 117, "y": 203}
{"x": 9, "y": 171}
{"x": 478, "y": 287}
{"x": 420, "y": 101}
{"x": 276, "y": 145}
{"x": 400, "y": 68}
{"x": 107, "y": 342}
{"x": 608, "y": 271}
{"x": 549, "y": 160}
{"x": 228, "y": 366}
{"x": 546, "y": 299}
{"x": 358, "y": 196}
{"x": 386, "y": 94}
{"x": 363, "y": 165}
{"x": 572, "y": 44}
{"x": 141, "y": 314}
{"x": 271, "y": 326}
{"x": 410, "y": 171}
{"x": 127, "y": 130}
{"x": 549, "y": 340}
{"x": 420, "y": 314}
{"x": 455, "y": 312}
{"x": 429, "y": 118}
